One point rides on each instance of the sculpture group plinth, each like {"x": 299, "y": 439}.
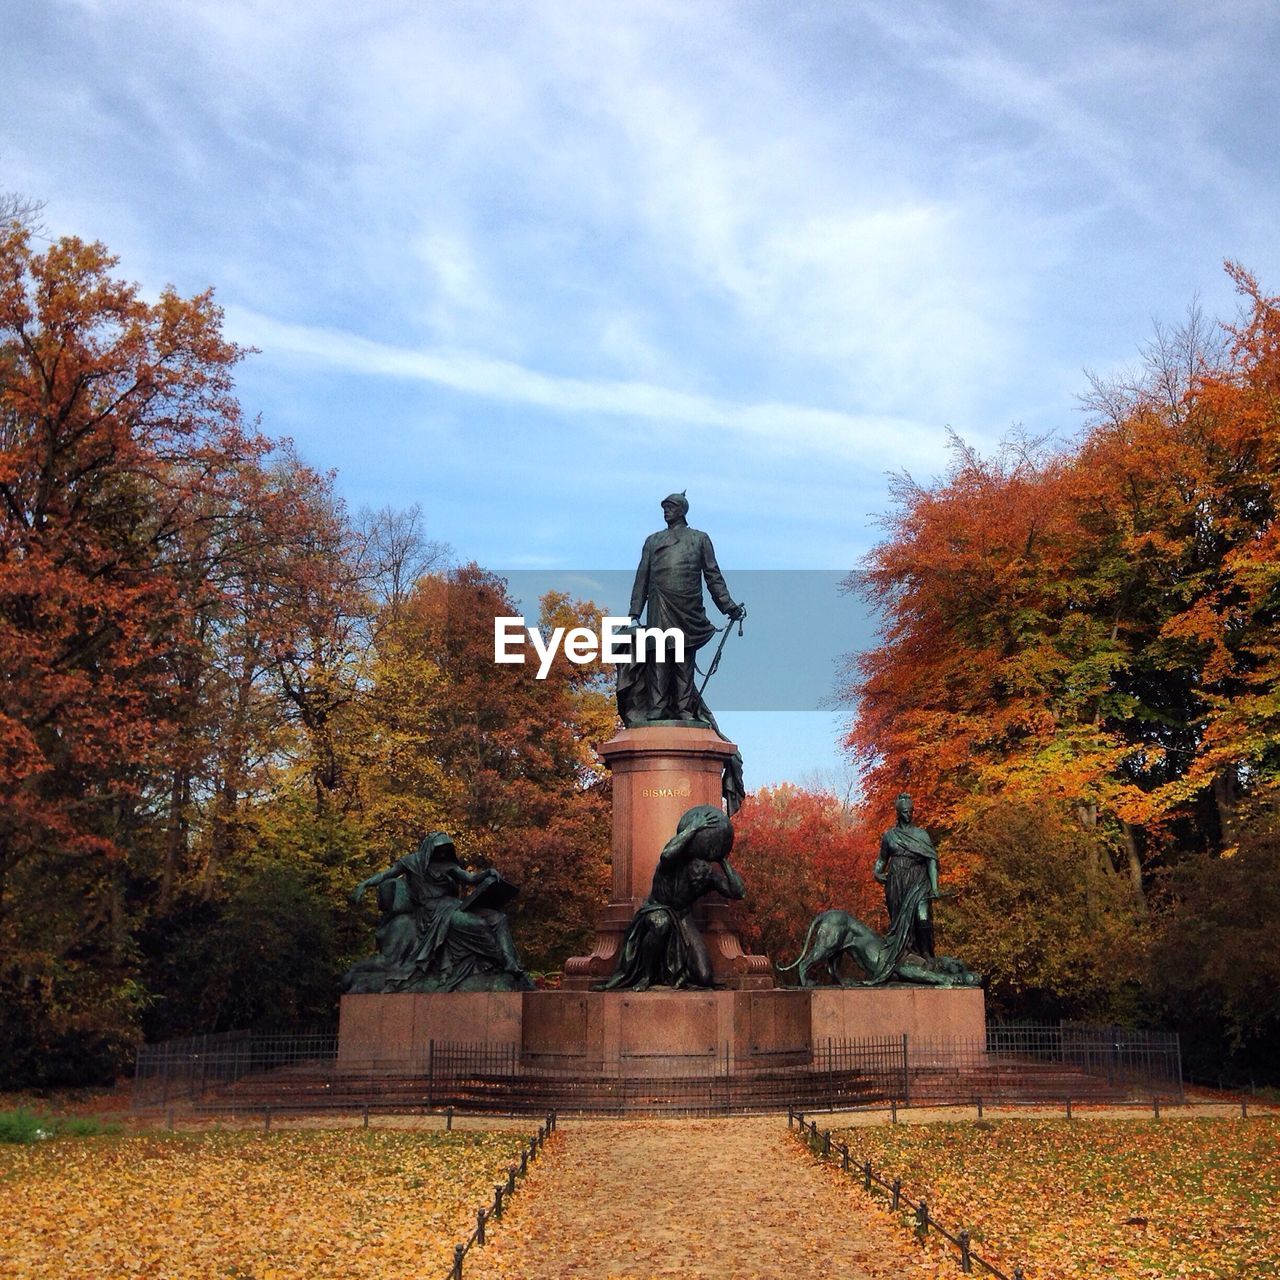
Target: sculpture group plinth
{"x": 660, "y": 771}
{"x": 658, "y": 1032}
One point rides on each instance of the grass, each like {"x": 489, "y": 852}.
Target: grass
{"x": 24, "y": 1126}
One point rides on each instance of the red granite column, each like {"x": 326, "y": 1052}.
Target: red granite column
{"x": 660, "y": 771}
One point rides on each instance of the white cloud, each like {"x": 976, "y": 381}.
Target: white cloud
{"x": 882, "y": 208}
{"x": 772, "y": 427}
{"x": 459, "y": 301}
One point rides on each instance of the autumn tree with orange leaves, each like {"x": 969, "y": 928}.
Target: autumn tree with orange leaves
{"x": 184, "y": 623}
{"x": 117, "y": 429}
{"x": 1091, "y": 629}
{"x": 1095, "y": 625}
{"x": 800, "y": 851}
{"x": 225, "y": 698}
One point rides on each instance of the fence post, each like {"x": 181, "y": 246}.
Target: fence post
{"x": 511, "y": 1179}
{"x": 459, "y": 1252}
{"x": 826, "y": 1143}
{"x": 266, "y": 1120}
{"x": 480, "y": 1226}
{"x": 978, "y": 1100}
{"x": 728, "y": 1082}
{"x": 1177, "y": 1052}
{"x": 524, "y": 1161}
{"x": 366, "y": 1115}
{"x": 897, "y": 1194}
{"x": 497, "y": 1200}
{"x": 866, "y": 1175}
{"x": 448, "y": 1119}
{"x": 906, "y": 1076}
{"x": 922, "y": 1217}
{"x": 966, "y": 1263}
{"x": 893, "y": 1111}
{"x": 791, "y": 1111}
{"x": 1244, "y": 1109}
{"x": 1155, "y": 1106}
{"x": 1068, "y": 1107}
{"x": 844, "y": 1156}
{"x": 431, "y": 1076}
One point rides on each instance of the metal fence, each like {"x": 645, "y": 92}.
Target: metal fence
{"x": 1040, "y": 1062}
{"x": 821, "y": 1144}
{"x": 196, "y": 1067}
{"x": 1120, "y": 1054}
{"x": 502, "y": 1194}
{"x": 254, "y": 1071}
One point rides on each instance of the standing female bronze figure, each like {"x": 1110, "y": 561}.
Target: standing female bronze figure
{"x": 908, "y": 869}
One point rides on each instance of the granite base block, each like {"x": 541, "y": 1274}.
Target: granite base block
{"x": 638, "y": 1033}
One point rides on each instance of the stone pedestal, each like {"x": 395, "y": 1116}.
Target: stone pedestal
{"x": 652, "y": 1034}
{"x": 643, "y": 1033}
{"x": 395, "y": 1029}
{"x": 956, "y": 1014}
{"x": 660, "y": 771}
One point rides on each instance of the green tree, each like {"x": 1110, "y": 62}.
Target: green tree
{"x": 1215, "y": 968}
{"x": 1053, "y": 931}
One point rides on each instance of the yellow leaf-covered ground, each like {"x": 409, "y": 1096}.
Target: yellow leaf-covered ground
{"x": 1123, "y": 1199}
{"x": 266, "y": 1206}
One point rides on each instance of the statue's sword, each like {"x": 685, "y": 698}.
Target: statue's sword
{"x": 715, "y": 662}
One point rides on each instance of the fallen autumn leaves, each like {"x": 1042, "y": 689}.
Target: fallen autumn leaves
{"x": 279, "y": 1206}
{"x": 1129, "y": 1200}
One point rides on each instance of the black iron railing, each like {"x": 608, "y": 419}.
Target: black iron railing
{"x": 821, "y": 1144}
{"x": 502, "y": 1194}
{"x": 255, "y": 1071}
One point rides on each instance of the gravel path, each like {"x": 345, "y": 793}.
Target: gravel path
{"x": 703, "y": 1199}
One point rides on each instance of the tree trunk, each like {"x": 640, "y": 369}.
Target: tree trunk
{"x": 118, "y": 924}
{"x": 221, "y": 833}
{"x": 1133, "y": 861}
{"x": 175, "y": 836}
{"x": 1226, "y": 796}
{"x": 1087, "y": 817}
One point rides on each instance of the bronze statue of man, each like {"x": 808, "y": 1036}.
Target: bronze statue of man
{"x": 662, "y": 946}
{"x": 908, "y": 869}
{"x": 668, "y": 588}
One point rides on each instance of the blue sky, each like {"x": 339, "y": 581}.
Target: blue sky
{"x": 535, "y": 265}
